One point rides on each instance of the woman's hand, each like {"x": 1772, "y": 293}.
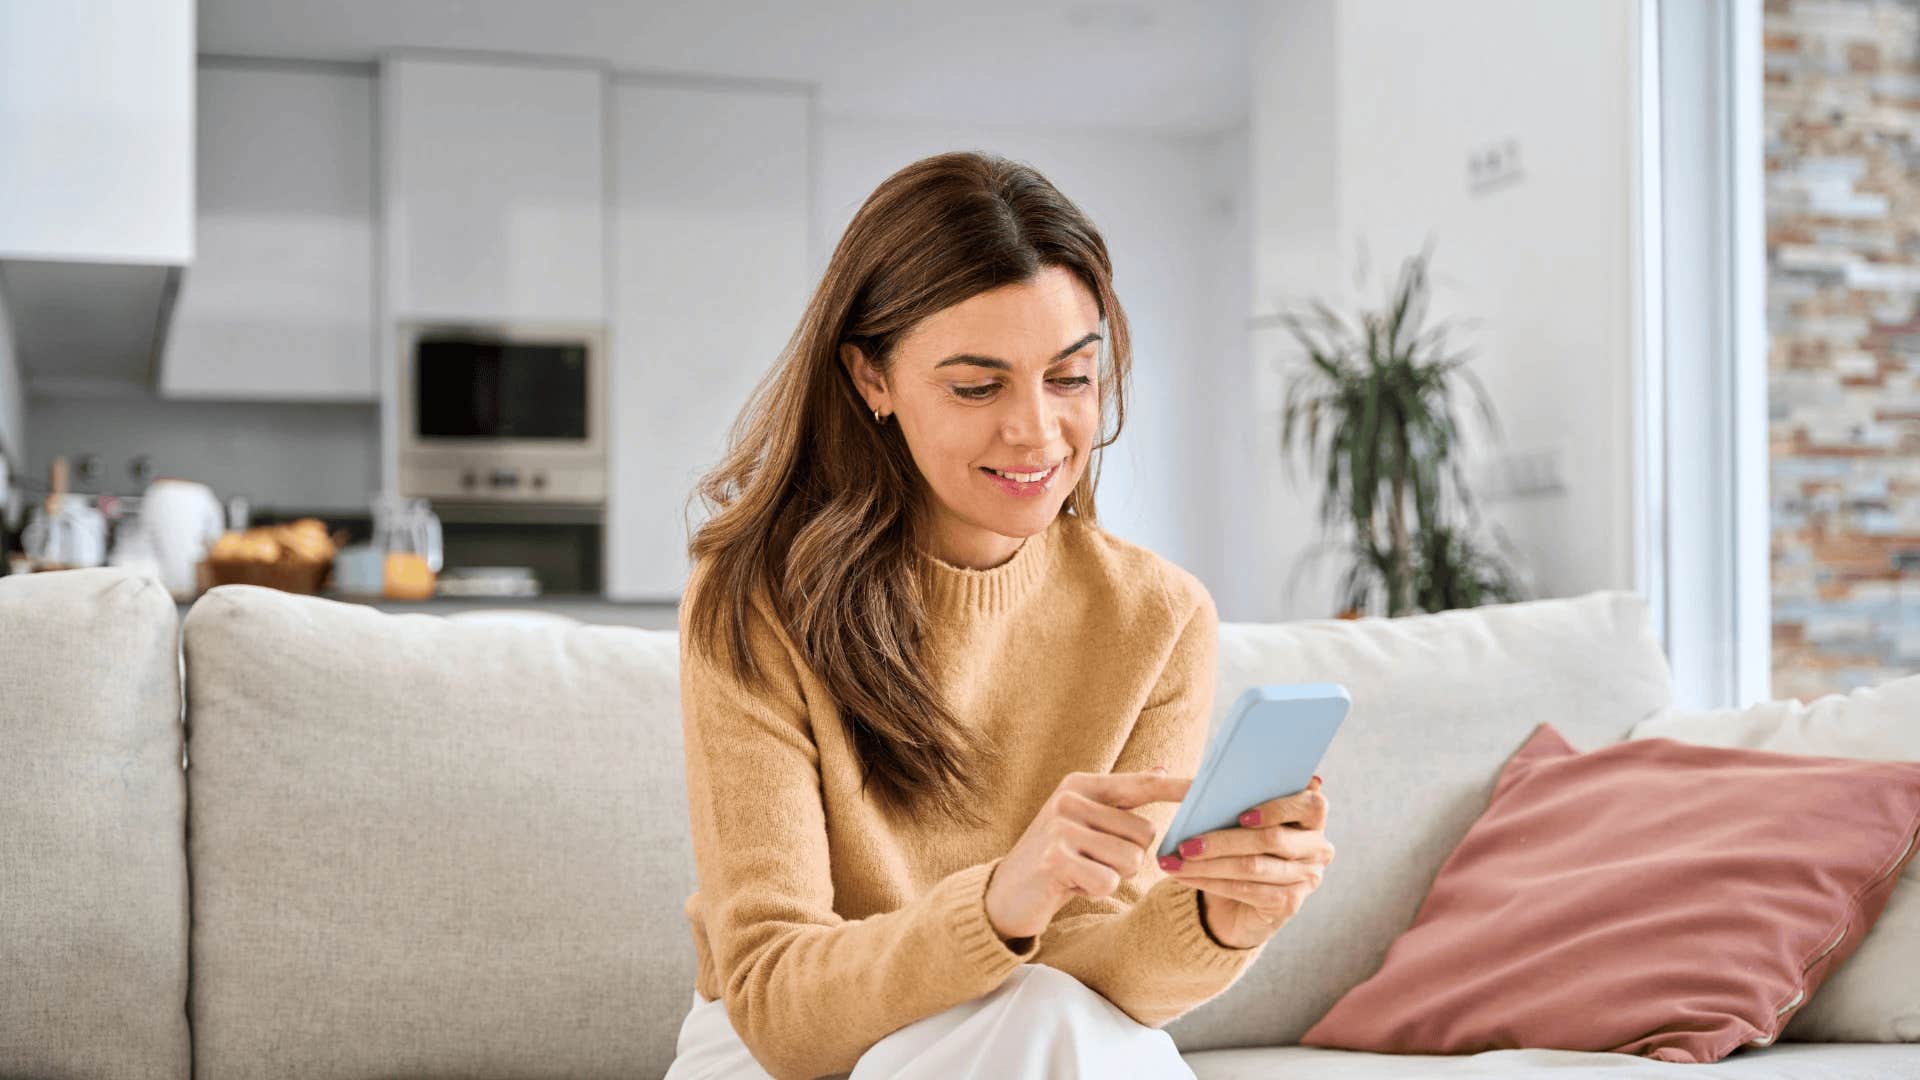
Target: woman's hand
{"x": 1083, "y": 842}
{"x": 1255, "y": 876}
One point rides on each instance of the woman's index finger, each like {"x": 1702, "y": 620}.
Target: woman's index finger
{"x": 1127, "y": 790}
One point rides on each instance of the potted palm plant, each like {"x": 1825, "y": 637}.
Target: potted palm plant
{"x": 1378, "y": 388}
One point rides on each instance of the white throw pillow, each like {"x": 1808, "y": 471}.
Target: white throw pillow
{"x": 1873, "y": 996}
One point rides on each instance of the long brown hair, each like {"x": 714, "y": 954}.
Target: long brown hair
{"x": 817, "y": 507}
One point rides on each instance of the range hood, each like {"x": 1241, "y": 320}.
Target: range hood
{"x": 97, "y": 196}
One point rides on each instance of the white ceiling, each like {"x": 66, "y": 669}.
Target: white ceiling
{"x": 1166, "y": 65}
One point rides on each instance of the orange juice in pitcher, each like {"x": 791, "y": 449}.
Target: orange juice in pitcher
{"x": 408, "y": 532}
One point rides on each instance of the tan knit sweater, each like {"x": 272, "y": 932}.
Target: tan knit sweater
{"x": 824, "y": 925}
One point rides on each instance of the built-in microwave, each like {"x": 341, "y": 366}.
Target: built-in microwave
{"x": 502, "y": 413}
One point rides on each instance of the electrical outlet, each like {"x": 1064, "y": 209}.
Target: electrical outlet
{"x": 1493, "y": 166}
{"x": 1516, "y": 474}
{"x": 1539, "y": 472}
{"x": 87, "y": 469}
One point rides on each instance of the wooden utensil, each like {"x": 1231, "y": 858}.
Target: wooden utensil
{"x": 56, "y": 486}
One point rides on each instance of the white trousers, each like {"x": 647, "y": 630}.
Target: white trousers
{"x": 1041, "y": 1022}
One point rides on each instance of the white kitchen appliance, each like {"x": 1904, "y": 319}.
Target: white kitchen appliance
{"x": 182, "y": 519}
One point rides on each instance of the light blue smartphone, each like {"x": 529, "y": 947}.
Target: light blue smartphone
{"x": 1268, "y": 746}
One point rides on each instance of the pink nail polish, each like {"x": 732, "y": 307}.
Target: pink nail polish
{"x": 1193, "y": 847}
{"x": 1250, "y": 818}
{"x": 1170, "y": 862}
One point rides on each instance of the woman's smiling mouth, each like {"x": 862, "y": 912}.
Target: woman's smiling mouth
{"x": 1021, "y": 482}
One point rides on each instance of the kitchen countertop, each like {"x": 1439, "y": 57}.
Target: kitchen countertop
{"x": 587, "y": 608}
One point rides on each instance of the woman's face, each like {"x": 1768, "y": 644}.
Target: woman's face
{"x": 1007, "y": 379}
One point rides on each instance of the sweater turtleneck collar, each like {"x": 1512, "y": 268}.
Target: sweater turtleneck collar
{"x": 961, "y": 591}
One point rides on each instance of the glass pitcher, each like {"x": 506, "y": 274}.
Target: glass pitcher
{"x": 406, "y": 533}
{"x": 65, "y": 531}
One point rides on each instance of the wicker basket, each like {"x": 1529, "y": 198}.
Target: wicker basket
{"x": 288, "y": 575}
{"x": 295, "y": 571}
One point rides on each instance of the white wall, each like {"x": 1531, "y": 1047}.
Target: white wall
{"x": 1413, "y": 90}
{"x": 1221, "y": 428}
{"x": 1295, "y": 187}
{"x": 1166, "y": 205}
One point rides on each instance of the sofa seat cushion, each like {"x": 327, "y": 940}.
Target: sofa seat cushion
{"x": 1801, "y": 1061}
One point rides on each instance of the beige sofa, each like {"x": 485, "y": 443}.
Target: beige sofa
{"x": 405, "y": 845}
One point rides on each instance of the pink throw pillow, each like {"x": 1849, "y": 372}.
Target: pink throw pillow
{"x": 1652, "y": 897}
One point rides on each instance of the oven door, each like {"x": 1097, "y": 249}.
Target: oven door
{"x": 498, "y": 390}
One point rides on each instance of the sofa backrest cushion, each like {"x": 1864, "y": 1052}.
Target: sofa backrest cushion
{"x": 429, "y": 846}
{"x": 1440, "y": 702}
{"x": 464, "y": 847}
{"x": 93, "y": 862}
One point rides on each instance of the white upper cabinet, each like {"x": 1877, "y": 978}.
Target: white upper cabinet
{"x": 96, "y": 188}
{"x": 494, "y": 183}
{"x": 96, "y": 131}
{"x": 279, "y": 302}
{"x": 710, "y": 278}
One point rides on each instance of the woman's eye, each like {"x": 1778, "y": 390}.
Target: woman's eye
{"x": 978, "y": 393}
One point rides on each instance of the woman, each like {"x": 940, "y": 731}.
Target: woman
{"x": 935, "y": 718}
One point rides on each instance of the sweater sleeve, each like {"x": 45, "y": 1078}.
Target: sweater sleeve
{"x": 807, "y": 990}
{"x": 1145, "y": 947}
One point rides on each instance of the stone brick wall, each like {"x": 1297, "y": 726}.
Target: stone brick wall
{"x": 1842, "y": 131}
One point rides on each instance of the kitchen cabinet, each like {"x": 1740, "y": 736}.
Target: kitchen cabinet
{"x": 96, "y": 131}
{"x": 279, "y": 302}
{"x": 710, "y": 275}
{"x": 13, "y": 407}
{"x": 494, "y": 184}
{"x": 96, "y": 189}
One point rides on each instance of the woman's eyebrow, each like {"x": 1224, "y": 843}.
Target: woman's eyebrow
{"x": 996, "y": 362}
